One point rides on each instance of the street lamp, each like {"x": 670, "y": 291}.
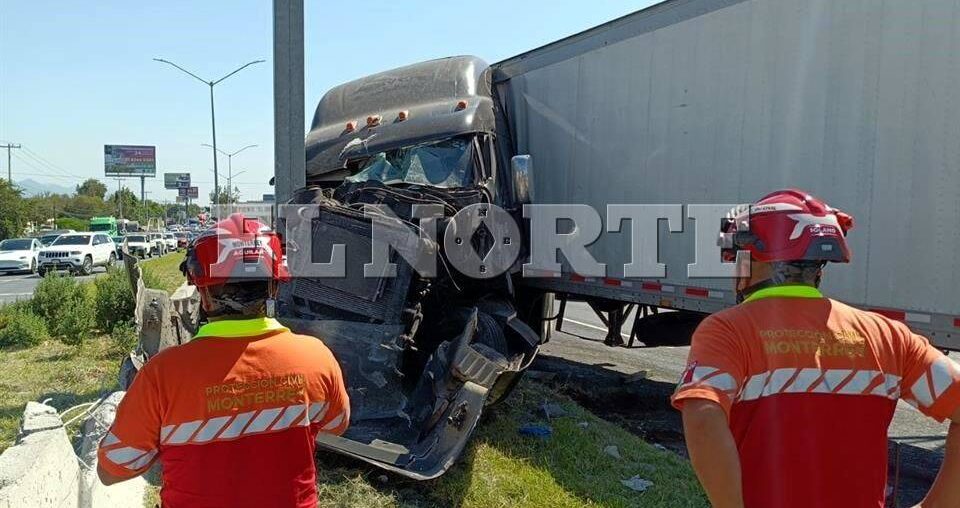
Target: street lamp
{"x": 229, "y": 164}
{"x": 213, "y": 121}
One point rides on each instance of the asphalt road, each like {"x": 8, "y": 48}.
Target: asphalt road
{"x": 919, "y": 440}
{"x": 15, "y": 287}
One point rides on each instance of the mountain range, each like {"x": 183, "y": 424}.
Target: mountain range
{"x": 32, "y": 187}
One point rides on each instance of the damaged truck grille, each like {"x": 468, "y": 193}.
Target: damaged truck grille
{"x": 354, "y": 297}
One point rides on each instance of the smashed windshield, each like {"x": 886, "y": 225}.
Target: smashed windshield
{"x": 446, "y": 163}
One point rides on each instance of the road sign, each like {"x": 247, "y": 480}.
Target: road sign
{"x": 188, "y": 192}
{"x": 176, "y": 180}
{"x": 130, "y": 161}
{"x": 269, "y": 197}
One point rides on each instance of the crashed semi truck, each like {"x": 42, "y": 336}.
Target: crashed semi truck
{"x": 689, "y": 102}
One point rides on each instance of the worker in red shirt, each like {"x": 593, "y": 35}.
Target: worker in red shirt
{"x": 787, "y": 397}
{"x": 232, "y": 415}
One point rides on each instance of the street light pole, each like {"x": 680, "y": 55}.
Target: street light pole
{"x": 229, "y": 164}
{"x": 213, "y": 121}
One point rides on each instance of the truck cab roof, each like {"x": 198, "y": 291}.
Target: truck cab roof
{"x": 439, "y": 99}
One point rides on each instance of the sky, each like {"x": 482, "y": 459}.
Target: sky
{"x": 75, "y": 76}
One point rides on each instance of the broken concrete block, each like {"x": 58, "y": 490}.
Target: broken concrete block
{"x": 37, "y": 417}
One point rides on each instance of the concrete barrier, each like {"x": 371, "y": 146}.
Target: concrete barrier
{"x": 42, "y": 470}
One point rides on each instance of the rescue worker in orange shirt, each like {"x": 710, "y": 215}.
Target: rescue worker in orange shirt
{"x": 787, "y": 397}
{"x": 232, "y": 415}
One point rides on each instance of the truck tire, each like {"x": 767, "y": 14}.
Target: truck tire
{"x": 490, "y": 334}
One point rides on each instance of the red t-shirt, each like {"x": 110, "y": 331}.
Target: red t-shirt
{"x": 232, "y": 419}
{"x": 810, "y": 386}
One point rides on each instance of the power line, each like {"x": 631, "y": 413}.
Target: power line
{"x": 41, "y": 170}
{"x": 46, "y": 162}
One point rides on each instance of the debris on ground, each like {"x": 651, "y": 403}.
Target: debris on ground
{"x": 535, "y": 430}
{"x": 382, "y": 478}
{"x": 553, "y": 410}
{"x": 660, "y": 447}
{"x": 612, "y": 451}
{"x": 583, "y": 425}
{"x": 637, "y": 484}
{"x": 639, "y": 375}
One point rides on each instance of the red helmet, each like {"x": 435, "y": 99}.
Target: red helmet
{"x": 236, "y": 249}
{"x": 787, "y": 225}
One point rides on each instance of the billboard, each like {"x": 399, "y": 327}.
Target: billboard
{"x": 176, "y": 180}
{"x": 129, "y": 160}
{"x": 188, "y": 192}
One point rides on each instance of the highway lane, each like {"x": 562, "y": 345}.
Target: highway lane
{"x": 15, "y": 287}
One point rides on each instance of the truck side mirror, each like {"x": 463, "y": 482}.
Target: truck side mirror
{"x": 522, "y": 168}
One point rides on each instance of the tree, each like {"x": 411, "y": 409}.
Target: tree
{"x": 225, "y": 197}
{"x": 13, "y": 211}
{"x": 124, "y": 202}
{"x": 93, "y": 188}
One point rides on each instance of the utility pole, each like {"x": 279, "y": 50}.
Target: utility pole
{"x": 289, "y": 162}
{"x": 119, "y": 200}
{"x": 10, "y": 146}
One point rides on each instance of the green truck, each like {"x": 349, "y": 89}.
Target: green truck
{"x": 106, "y": 225}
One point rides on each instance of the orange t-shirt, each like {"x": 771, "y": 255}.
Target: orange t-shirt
{"x": 232, "y": 416}
{"x": 810, "y": 386}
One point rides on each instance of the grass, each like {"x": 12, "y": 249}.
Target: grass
{"x": 163, "y": 272}
{"x": 503, "y": 469}
{"x": 67, "y": 375}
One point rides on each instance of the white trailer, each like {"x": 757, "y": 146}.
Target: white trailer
{"x": 722, "y": 101}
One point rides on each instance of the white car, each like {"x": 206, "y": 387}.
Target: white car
{"x": 159, "y": 246}
{"x": 77, "y": 253}
{"x": 138, "y": 244}
{"x": 170, "y": 241}
{"x": 19, "y": 255}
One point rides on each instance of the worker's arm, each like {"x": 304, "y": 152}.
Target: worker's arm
{"x": 945, "y": 491}
{"x": 132, "y": 444}
{"x": 713, "y": 452}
